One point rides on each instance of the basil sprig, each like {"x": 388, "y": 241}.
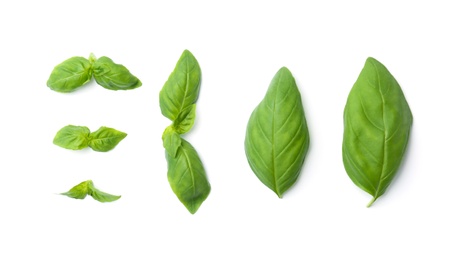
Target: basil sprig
{"x": 79, "y": 137}
{"x": 77, "y": 71}
{"x": 377, "y": 123}
{"x": 81, "y": 190}
{"x": 277, "y": 136}
{"x": 177, "y": 99}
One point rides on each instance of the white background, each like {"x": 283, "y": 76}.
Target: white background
{"x": 240, "y": 45}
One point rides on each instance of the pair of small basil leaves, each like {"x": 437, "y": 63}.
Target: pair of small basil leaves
{"x": 77, "y": 71}
{"x": 81, "y": 190}
{"x": 79, "y": 137}
{"x": 377, "y": 123}
{"x": 177, "y": 100}
{"x": 277, "y": 136}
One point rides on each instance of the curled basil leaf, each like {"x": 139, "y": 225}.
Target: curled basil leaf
{"x": 70, "y": 75}
{"x": 377, "y": 123}
{"x": 187, "y": 177}
{"x": 72, "y": 137}
{"x": 177, "y": 100}
{"x": 171, "y": 141}
{"x": 114, "y": 76}
{"x": 81, "y": 190}
{"x": 181, "y": 90}
{"x": 277, "y": 136}
{"x": 79, "y": 137}
{"x": 105, "y": 139}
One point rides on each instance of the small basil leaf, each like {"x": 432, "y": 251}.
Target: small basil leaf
{"x": 105, "y": 139}
{"x": 185, "y": 120}
{"x": 72, "y": 137}
{"x": 99, "y": 195}
{"x": 114, "y": 76}
{"x": 70, "y": 75}
{"x": 181, "y": 90}
{"x": 377, "y": 123}
{"x": 277, "y": 137}
{"x": 79, "y": 191}
{"x": 171, "y": 141}
{"x": 187, "y": 177}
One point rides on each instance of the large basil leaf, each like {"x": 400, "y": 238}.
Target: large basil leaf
{"x": 377, "y": 122}
{"x": 70, "y": 75}
{"x": 114, "y": 76}
{"x": 277, "y": 137}
{"x": 81, "y": 190}
{"x": 181, "y": 90}
{"x": 72, "y": 137}
{"x": 187, "y": 177}
{"x": 105, "y": 139}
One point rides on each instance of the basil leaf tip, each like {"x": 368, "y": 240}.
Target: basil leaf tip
{"x": 377, "y": 123}
{"x": 277, "y": 136}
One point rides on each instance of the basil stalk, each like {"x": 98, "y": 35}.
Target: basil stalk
{"x": 177, "y": 100}
{"x": 377, "y": 123}
{"x": 277, "y": 136}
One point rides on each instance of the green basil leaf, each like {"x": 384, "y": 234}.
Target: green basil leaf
{"x": 277, "y": 137}
{"x": 79, "y": 191}
{"x": 114, "y": 76}
{"x": 99, "y": 195}
{"x": 171, "y": 141}
{"x": 377, "y": 122}
{"x": 182, "y": 88}
{"x": 105, "y": 139}
{"x": 185, "y": 120}
{"x": 187, "y": 177}
{"x": 70, "y": 75}
{"x": 72, "y": 137}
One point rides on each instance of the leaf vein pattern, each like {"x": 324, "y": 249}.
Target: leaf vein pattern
{"x": 291, "y": 141}
{"x": 287, "y": 119}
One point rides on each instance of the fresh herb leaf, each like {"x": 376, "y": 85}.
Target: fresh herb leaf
{"x": 72, "y": 137}
{"x": 114, "y": 76}
{"x": 181, "y": 90}
{"x": 105, "y": 139}
{"x": 70, "y": 75}
{"x": 177, "y": 100}
{"x": 277, "y": 137}
{"x": 171, "y": 141}
{"x": 81, "y": 190}
{"x": 187, "y": 177}
{"x": 377, "y": 123}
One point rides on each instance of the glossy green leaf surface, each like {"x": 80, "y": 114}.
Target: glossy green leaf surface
{"x": 171, "y": 141}
{"x": 114, "y": 76}
{"x": 72, "y": 137}
{"x": 81, "y": 190}
{"x": 70, "y": 75}
{"x": 187, "y": 177}
{"x": 181, "y": 90}
{"x": 377, "y": 123}
{"x": 185, "y": 120}
{"x": 177, "y": 100}
{"x": 105, "y": 139}
{"x": 277, "y": 136}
